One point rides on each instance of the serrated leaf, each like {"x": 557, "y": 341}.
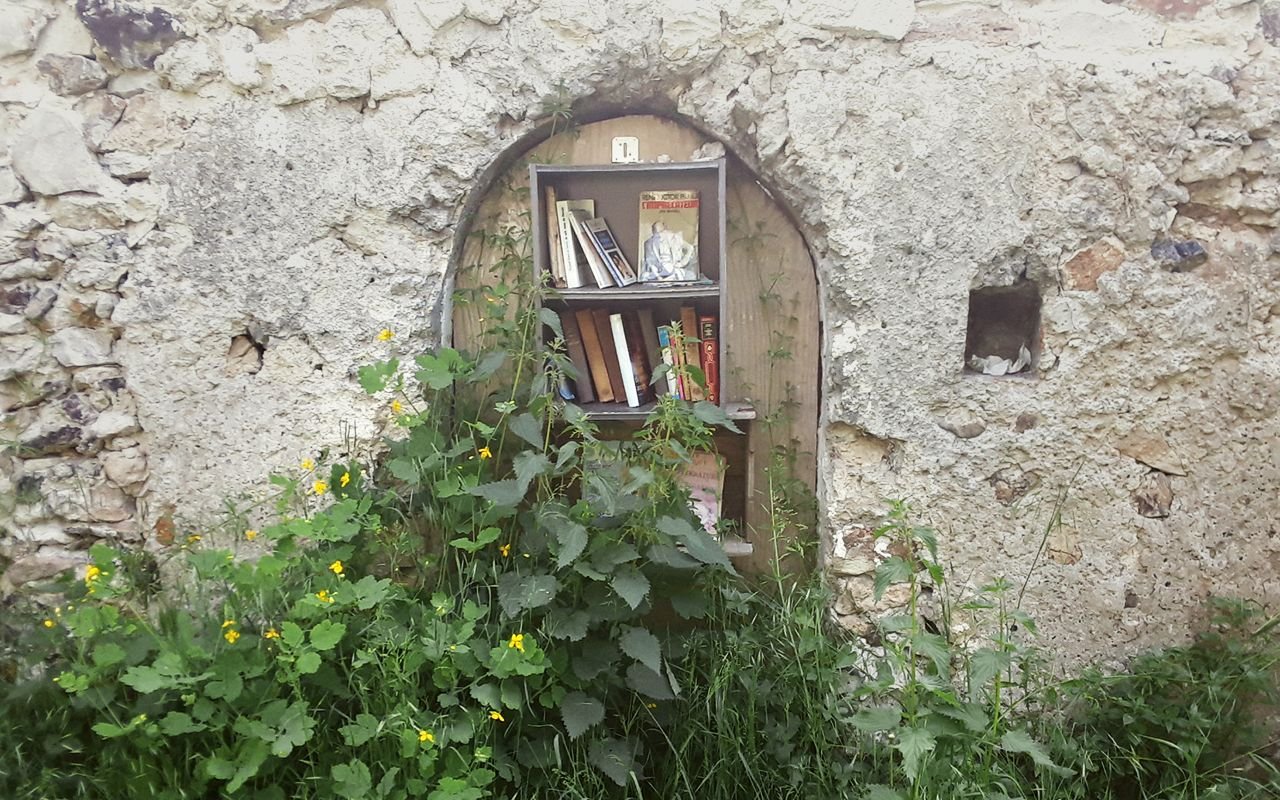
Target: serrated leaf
{"x": 648, "y": 682}
{"x": 893, "y": 570}
{"x": 489, "y": 694}
{"x": 580, "y": 712}
{"x": 326, "y": 634}
{"x": 971, "y": 715}
{"x": 594, "y": 656}
{"x": 145, "y": 679}
{"x": 437, "y": 371}
{"x": 631, "y": 585}
{"x": 291, "y": 634}
{"x": 501, "y": 493}
{"x": 176, "y": 723}
{"x": 643, "y": 646}
{"x": 914, "y": 744}
{"x": 562, "y": 623}
{"x": 572, "y": 538}
{"x": 489, "y": 365}
{"x": 374, "y": 377}
{"x": 529, "y": 465}
{"x": 673, "y": 557}
{"x": 713, "y": 414}
{"x": 551, "y": 320}
{"x": 696, "y": 541}
{"x": 308, "y": 663}
{"x": 1016, "y": 741}
{"x": 984, "y": 665}
{"x": 527, "y": 427}
{"x": 518, "y": 592}
{"x": 879, "y": 791}
{"x": 690, "y": 603}
{"x": 877, "y": 719}
{"x": 405, "y": 469}
{"x": 565, "y": 456}
{"x": 615, "y": 758}
{"x": 933, "y": 647}
{"x": 108, "y": 654}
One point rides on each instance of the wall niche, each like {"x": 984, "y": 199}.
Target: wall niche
{"x": 1003, "y": 336}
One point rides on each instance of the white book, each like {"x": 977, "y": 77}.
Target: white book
{"x": 624, "y": 360}
{"x": 594, "y": 262}
{"x": 574, "y": 270}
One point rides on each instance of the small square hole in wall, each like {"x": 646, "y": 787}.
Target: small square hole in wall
{"x": 1004, "y": 330}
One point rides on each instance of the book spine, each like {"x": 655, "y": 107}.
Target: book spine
{"x": 673, "y": 379}
{"x": 639, "y": 360}
{"x": 603, "y": 255}
{"x": 577, "y": 357}
{"x": 710, "y": 356}
{"x": 605, "y": 331}
{"x": 692, "y": 356}
{"x": 652, "y": 350}
{"x": 624, "y": 360}
{"x": 595, "y": 355}
{"x": 555, "y": 256}
{"x": 572, "y": 269}
{"x": 589, "y": 253}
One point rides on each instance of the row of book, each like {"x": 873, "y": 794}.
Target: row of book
{"x": 583, "y": 250}
{"x": 616, "y": 354}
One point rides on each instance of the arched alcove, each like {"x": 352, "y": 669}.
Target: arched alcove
{"x": 772, "y": 307}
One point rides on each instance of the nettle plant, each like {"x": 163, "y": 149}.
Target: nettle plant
{"x": 475, "y": 611}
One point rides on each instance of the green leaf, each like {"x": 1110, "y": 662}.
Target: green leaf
{"x": 501, "y": 493}
{"x": 455, "y": 789}
{"x": 308, "y": 663}
{"x": 146, "y": 680}
{"x": 527, "y": 427}
{"x": 673, "y": 557}
{"x": 108, "y": 654}
{"x": 580, "y": 712}
{"x": 573, "y": 540}
{"x": 615, "y": 758}
{"x": 879, "y": 791}
{"x": 690, "y": 603}
{"x": 485, "y": 537}
{"x": 438, "y": 371}
{"x": 643, "y": 646}
{"x": 594, "y": 657}
{"x": 370, "y": 591}
{"x": 489, "y": 365}
{"x": 877, "y": 719}
{"x": 326, "y": 635}
{"x": 631, "y": 585}
{"x": 291, "y": 634}
{"x": 649, "y": 682}
{"x": 109, "y": 731}
{"x": 374, "y": 377}
{"x": 489, "y": 694}
{"x": 933, "y": 647}
{"x": 529, "y": 465}
{"x": 364, "y": 728}
{"x": 551, "y": 320}
{"x": 352, "y": 780}
{"x": 893, "y": 570}
{"x": 405, "y": 469}
{"x": 971, "y": 715}
{"x": 713, "y": 414}
{"x": 561, "y": 623}
{"x": 914, "y": 744}
{"x": 518, "y": 592}
{"x": 984, "y": 665}
{"x": 696, "y": 541}
{"x": 1016, "y": 741}
{"x": 176, "y": 723}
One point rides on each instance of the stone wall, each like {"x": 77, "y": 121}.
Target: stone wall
{"x": 210, "y": 207}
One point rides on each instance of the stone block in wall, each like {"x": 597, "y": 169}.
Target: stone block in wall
{"x": 12, "y": 190}
{"x": 1084, "y": 268}
{"x": 100, "y": 112}
{"x": 132, "y": 35}
{"x": 19, "y": 355}
{"x": 82, "y": 347}
{"x": 50, "y": 154}
{"x": 20, "y": 27}
{"x": 40, "y": 566}
{"x": 72, "y": 75}
{"x": 74, "y": 490}
{"x": 127, "y": 469}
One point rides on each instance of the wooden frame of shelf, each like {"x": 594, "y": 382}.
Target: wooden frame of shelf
{"x": 616, "y": 189}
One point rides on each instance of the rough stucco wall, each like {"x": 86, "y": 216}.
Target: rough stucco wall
{"x": 291, "y": 172}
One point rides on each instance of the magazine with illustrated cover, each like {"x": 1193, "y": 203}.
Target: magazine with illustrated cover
{"x": 669, "y": 236}
{"x": 704, "y": 478}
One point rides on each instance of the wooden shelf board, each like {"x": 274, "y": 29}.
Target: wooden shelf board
{"x": 737, "y": 548}
{"x": 636, "y": 291}
{"x": 620, "y": 412}
{"x": 709, "y": 165}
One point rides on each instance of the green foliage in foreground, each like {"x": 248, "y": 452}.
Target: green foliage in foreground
{"x": 507, "y": 606}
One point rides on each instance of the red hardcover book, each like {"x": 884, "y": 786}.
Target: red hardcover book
{"x": 710, "y": 356}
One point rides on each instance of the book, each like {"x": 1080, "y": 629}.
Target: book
{"x": 704, "y": 479}
{"x": 577, "y": 356}
{"x": 595, "y": 263}
{"x": 639, "y": 358}
{"x": 710, "y": 347}
{"x": 607, "y": 247}
{"x": 692, "y": 355}
{"x": 575, "y": 269}
{"x": 555, "y": 256}
{"x": 668, "y": 358}
{"x": 624, "y": 360}
{"x": 652, "y": 348}
{"x": 604, "y": 330}
{"x": 669, "y": 236}
{"x": 595, "y": 355}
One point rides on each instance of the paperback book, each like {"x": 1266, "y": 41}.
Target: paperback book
{"x": 669, "y": 236}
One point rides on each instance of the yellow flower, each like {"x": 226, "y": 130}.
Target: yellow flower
{"x": 485, "y": 452}
{"x": 505, "y": 550}
{"x": 396, "y": 407}
{"x": 517, "y": 642}
{"x": 231, "y": 636}
{"x": 336, "y": 568}
{"x": 91, "y": 574}
{"x": 426, "y": 736}
{"x": 271, "y": 633}
{"x": 651, "y": 705}
{"x": 193, "y": 538}
{"x": 323, "y": 596}
{"x": 386, "y": 335}
{"x": 308, "y": 464}
{"x": 345, "y": 479}
{"x": 497, "y": 715}
{"x": 228, "y": 623}
{"x": 319, "y": 487}
{"x": 250, "y": 534}
{"x": 48, "y": 623}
